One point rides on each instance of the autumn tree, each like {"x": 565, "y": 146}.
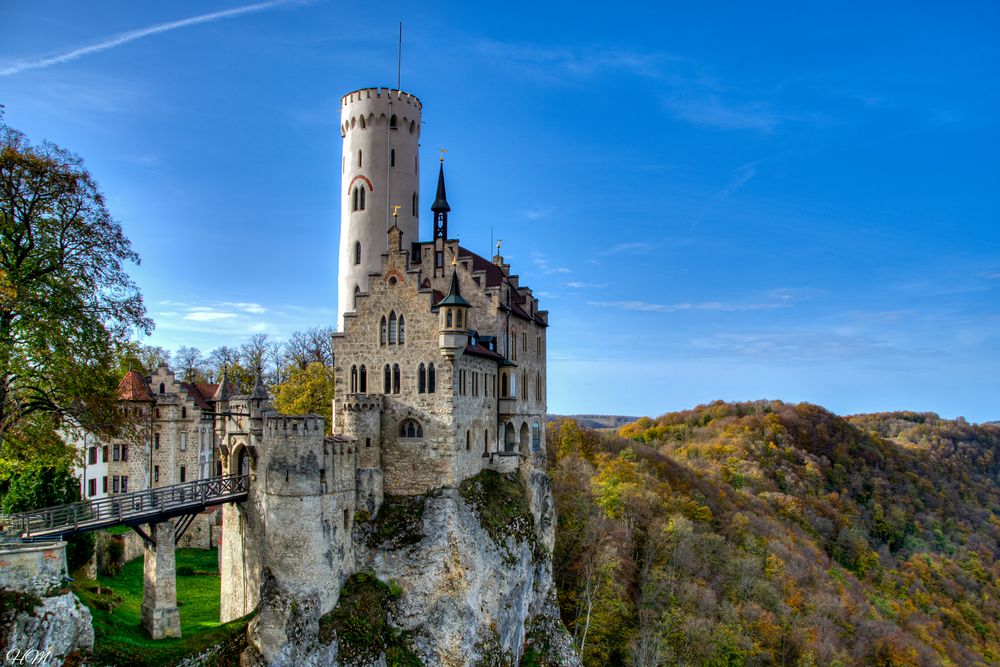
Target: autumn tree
{"x": 67, "y": 302}
{"x": 307, "y": 390}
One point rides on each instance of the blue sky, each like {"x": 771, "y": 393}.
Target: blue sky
{"x": 796, "y": 201}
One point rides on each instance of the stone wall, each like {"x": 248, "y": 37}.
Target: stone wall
{"x": 33, "y": 568}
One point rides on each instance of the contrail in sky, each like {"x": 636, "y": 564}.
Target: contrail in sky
{"x": 131, "y": 36}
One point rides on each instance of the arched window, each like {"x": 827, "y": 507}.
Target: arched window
{"x": 536, "y": 437}
{"x": 359, "y": 157}
{"x": 363, "y": 380}
{"x": 382, "y": 331}
{"x": 447, "y": 317}
{"x": 421, "y": 379}
{"x": 362, "y": 190}
{"x": 392, "y": 328}
{"x": 414, "y": 204}
{"x": 357, "y": 252}
{"x": 393, "y": 123}
{"x": 513, "y": 385}
{"x": 357, "y": 291}
{"x": 354, "y": 379}
{"x": 387, "y": 383}
{"x": 410, "y": 428}
{"x": 431, "y": 379}
{"x": 395, "y": 378}
{"x": 402, "y": 330}
{"x": 458, "y": 318}
{"x": 392, "y": 157}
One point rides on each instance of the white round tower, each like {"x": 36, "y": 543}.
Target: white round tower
{"x": 380, "y": 169}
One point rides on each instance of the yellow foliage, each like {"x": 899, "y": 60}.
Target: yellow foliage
{"x": 307, "y": 390}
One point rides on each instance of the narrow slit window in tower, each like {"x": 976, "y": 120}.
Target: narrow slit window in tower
{"x": 357, "y": 252}
{"x": 357, "y": 291}
{"x": 387, "y": 383}
{"x": 431, "y": 379}
{"x": 402, "y": 330}
{"x": 395, "y": 378}
{"x": 359, "y": 157}
{"x": 415, "y": 211}
{"x": 392, "y": 157}
{"x": 363, "y": 379}
{"x": 421, "y": 379}
{"x": 382, "y": 331}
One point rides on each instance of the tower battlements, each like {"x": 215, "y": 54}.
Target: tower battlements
{"x": 379, "y": 92}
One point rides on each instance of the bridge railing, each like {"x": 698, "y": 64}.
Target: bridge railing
{"x": 125, "y": 507}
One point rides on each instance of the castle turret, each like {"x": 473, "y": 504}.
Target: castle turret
{"x": 452, "y": 318}
{"x": 380, "y": 170}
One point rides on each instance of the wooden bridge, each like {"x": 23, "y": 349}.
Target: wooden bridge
{"x": 129, "y": 509}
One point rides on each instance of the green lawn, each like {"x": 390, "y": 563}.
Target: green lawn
{"x": 116, "y": 604}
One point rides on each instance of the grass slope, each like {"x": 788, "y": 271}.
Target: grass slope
{"x": 116, "y": 605}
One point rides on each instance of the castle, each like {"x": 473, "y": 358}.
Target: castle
{"x": 440, "y": 374}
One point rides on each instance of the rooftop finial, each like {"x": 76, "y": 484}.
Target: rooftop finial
{"x": 443, "y": 151}
{"x": 395, "y": 210}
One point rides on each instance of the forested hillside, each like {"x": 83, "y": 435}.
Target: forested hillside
{"x": 768, "y": 533}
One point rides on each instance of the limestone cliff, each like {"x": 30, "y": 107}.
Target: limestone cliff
{"x": 454, "y": 577}
{"x": 44, "y": 631}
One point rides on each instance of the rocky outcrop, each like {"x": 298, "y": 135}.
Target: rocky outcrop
{"x": 44, "y": 631}
{"x": 459, "y": 576}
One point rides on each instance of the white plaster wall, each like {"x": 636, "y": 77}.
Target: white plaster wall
{"x": 392, "y": 186}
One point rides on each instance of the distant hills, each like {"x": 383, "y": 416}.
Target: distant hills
{"x": 595, "y": 421}
{"x": 767, "y": 533}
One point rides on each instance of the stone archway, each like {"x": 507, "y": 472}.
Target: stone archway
{"x": 509, "y": 435}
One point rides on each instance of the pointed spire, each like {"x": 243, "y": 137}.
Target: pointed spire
{"x": 441, "y": 200}
{"x": 225, "y": 390}
{"x": 259, "y": 392}
{"x": 454, "y": 296}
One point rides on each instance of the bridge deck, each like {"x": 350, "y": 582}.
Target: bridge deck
{"x": 129, "y": 509}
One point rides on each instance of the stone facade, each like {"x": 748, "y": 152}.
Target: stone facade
{"x": 33, "y": 568}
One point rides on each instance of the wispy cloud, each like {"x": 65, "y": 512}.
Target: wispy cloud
{"x": 538, "y": 213}
{"x": 576, "y": 284}
{"x": 633, "y": 247}
{"x": 795, "y": 345}
{"x": 716, "y": 306}
{"x": 544, "y": 266}
{"x": 126, "y": 37}
{"x": 247, "y": 307}
{"x": 711, "y": 111}
{"x": 206, "y": 315}
{"x": 583, "y": 63}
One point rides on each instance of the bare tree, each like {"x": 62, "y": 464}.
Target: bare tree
{"x": 306, "y": 347}
{"x": 221, "y": 359}
{"x": 254, "y": 353}
{"x": 190, "y": 363}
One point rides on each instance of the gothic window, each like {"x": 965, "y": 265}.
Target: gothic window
{"x": 361, "y": 122}
{"x": 382, "y": 331}
{"x": 392, "y": 328}
{"x": 362, "y": 191}
{"x": 458, "y": 318}
{"x": 363, "y": 379}
{"x": 357, "y": 291}
{"x": 430, "y": 378}
{"x": 387, "y": 384}
{"x": 393, "y": 122}
{"x": 439, "y": 259}
{"x": 395, "y": 378}
{"x": 402, "y": 330}
{"x": 421, "y": 379}
{"x": 392, "y": 157}
{"x": 411, "y": 428}
{"x": 536, "y": 437}
{"x": 354, "y": 379}
{"x": 447, "y": 317}
{"x": 357, "y": 252}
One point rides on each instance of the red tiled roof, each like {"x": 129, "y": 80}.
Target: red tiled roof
{"x": 494, "y": 275}
{"x": 482, "y": 351}
{"x": 200, "y": 393}
{"x": 133, "y": 388}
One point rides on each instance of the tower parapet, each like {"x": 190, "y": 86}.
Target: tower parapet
{"x": 380, "y": 169}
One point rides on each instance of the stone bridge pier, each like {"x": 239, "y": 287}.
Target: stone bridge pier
{"x": 160, "y": 617}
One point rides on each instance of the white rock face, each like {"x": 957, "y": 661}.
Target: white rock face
{"x": 58, "y": 627}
